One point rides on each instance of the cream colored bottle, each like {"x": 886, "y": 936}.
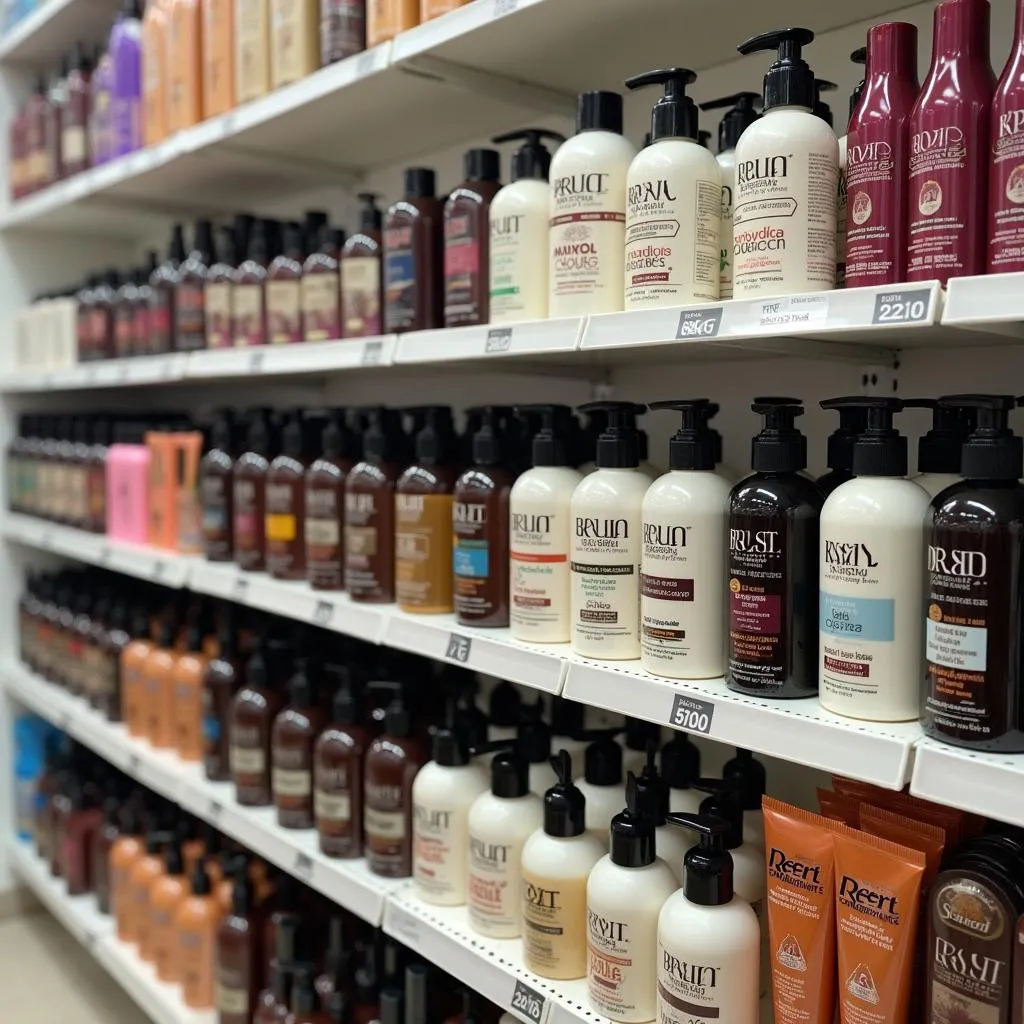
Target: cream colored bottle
{"x": 557, "y": 860}
{"x": 295, "y": 40}
{"x": 606, "y": 543}
{"x": 787, "y": 170}
{"x": 252, "y": 49}
{"x": 588, "y": 211}
{"x": 673, "y": 205}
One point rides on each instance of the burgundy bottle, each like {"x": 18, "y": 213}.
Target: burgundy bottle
{"x": 124, "y": 314}
{"x": 143, "y": 302}
{"x": 877, "y": 152}
{"x": 57, "y": 97}
{"x": 285, "y": 524}
{"x": 219, "y": 287}
{"x": 294, "y": 733}
{"x": 362, "y": 277}
{"x": 321, "y": 290}
{"x": 76, "y": 826}
{"x": 103, "y": 839}
{"x": 74, "y": 124}
{"x": 342, "y": 29}
{"x": 16, "y": 148}
{"x": 220, "y": 684}
{"x": 284, "y": 290}
{"x": 37, "y": 112}
{"x": 949, "y": 152}
{"x": 96, "y": 476}
{"x": 216, "y": 491}
{"x": 252, "y": 715}
{"x": 249, "y": 305}
{"x": 164, "y": 285}
{"x": 1006, "y": 170}
{"x": 239, "y": 952}
{"x": 325, "y": 506}
{"x": 190, "y": 298}
{"x": 249, "y": 484}
{"x": 83, "y": 319}
{"x": 112, "y": 642}
{"x": 101, "y": 333}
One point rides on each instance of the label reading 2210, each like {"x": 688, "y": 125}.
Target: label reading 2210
{"x": 909, "y": 306}
{"x": 692, "y": 714}
{"x": 527, "y": 1002}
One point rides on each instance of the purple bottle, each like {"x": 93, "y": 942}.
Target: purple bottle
{"x": 125, "y": 50}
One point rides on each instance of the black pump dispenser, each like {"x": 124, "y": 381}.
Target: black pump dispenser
{"x": 723, "y": 801}
{"x": 779, "y": 447}
{"x": 482, "y": 165}
{"x": 532, "y": 159}
{"x": 652, "y": 793}
{"x": 632, "y": 832}
{"x": 599, "y": 111}
{"x": 489, "y": 440}
{"x": 749, "y": 777}
{"x": 436, "y": 441}
{"x": 692, "y": 446}
{"x": 821, "y": 108}
{"x": 549, "y": 446}
{"x": 860, "y": 57}
{"x": 991, "y": 451}
{"x": 617, "y": 446}
{"x": 680, "y": 762}
{"x": 736, "y": 121}
{"x": 939, "y": 449}
{"x": 707, "y": 867}
{"x": 789, "y": 81}
{"x": 880, "y": 450}
{"x": 852, "y": 421}
{"x": 675, "y": 115}
{"x": 564, "y": 804}
{"x": 602, "y": 762}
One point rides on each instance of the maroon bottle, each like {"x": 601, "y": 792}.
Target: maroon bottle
{"x": 83, "y": 319}
{"x": 124, "y": 314}
{"x": 143, "y": 301}
{"x": 76, "y": 826}
{"x": 101, "y": 332}
{"x": 103, "y": 839}
{"x": 190, "y": 299}
{"x": 949, "y": 151}
{"x": 57, "y": 97}
{"x": 321, "y": 289}
{"x": 284, "y": 290}
{"x": 75, "y": 120}
{"x": 1006, "y": 170}
{"x": 164, "y": 285}
{"x": 877, "y": 153}
{"x": 342, "y": 29}
{"x": 285, "y": 500}
{"x": 37, "y": 112}
{"x": 239, "y": 947}
{"x": 294, "y": 733}
{"x": 249, "y": 488}
{"x": 325, "y": 506}
{"x": 216, "y": 491}
{"x": 252, "y": 715}
{"x": 219, "y": 287}
{"x": 248, "y": 295}
{"x": 220, "y": 684}
{"x": 362, "y": 276}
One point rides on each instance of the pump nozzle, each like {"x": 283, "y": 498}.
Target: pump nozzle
{"x": 736, "y": 121}
{"x": 991, "y": 451}
{"x": 822, "y": 109}
{"x": 708, "y": 867}
{"x": 675, "y": 115}
{"x": 564, "y": 803}
{"x": 938, "y": 450}
{"x": 779, "y": 447}
{"x": 632, "y": 832}
{"x": 789, "y": 81}
{"x": 370, "y": 218}
{"x": 617, "y": 445}
{"x": 532, "y": 159}
{"x": 852, "y": 420}
{"x": 692, "y": 446}
{"x": 548, "y": 444}
{"x": 879, "y": 450}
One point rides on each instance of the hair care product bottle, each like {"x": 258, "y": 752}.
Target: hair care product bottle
{"x": 586, "y": 241}
{"x": 824, "y": 111}
{"x": 708, "y": 932}
{"x": 773, "y": 563}
{"x": 325, "y": 504}
{"x": 467, "y": 240}
{"x": 680, "y": 769}
{"x": 102, "y": 846}
{"x": 158, "y": 712}
{"x": 500, "y": 822}
{"x": 601, "y": 786}
{"x": 100, "y": 129}
{"x": 949, "y": 147}
{"x": 189, "y": 300}
{"x": 606, "y": 541}
{"x": 239, "y": 953}
{"x": 196, "y": 922}
{"x": 125, "y": 50}
{"x": 423, "y": 517}
{"x": 788, "y": 159}
{"x": 939, "y": 449}
{"x": 370, "y": 510}
{"x": 285, "y": 526}
{"x": 295, "y": 41}
{"x": 144, "y": 872}
{"x": 294, "y": 732}
{"x": 568, "y": 727}
{"x": 74, "y": 139}
{"x": 284, "y": 289}
{"x": 165, "y": 897}
{"x": 187, "y": 682}
{"x": 870, "y": 571}
{"x": 1005, "y": 252}
{"x": 249, "y": 496}
{"x": 533, "y": 742}
{"x": 839, "y": 453}
{"x": 974, "y": 571}
{"x": 480, "y": 522}
{"x": 652, "y": 799}
{"x": 141, "y": 330}
{"x": 386, "y": 18}
{"x": 878, "y": 153}
{"x": 221, "y": 681}
{"x": 519, "y": 216}
{"x": 673, "y": 211}
{"x": 252, "y": 714}
{"x": 163, "y": 283}
{"x": 184, "y": 66}
{"x": 252, "y": 49}
{"x": 320, "y": 290}
{"x": 342, "y": 30}
{"x": 218, "y": 288}
{"x": 248, "y": 292}
{"x": 748, "y": 778}
{"x": 124, "y": 314}
{"x": 133, "y": 678}
{"x": 154, "y": 79}
{"x": 124, "y": 853}
{"x": 735, "y": 122}
{"x": 216, "y": 490}
{"x": 218, "y": 57}
{"x": 625, "y": 893}
{"x": 362, "y": 279}
{"x": 442, "y": 794}
{"x": 682, "y": 561}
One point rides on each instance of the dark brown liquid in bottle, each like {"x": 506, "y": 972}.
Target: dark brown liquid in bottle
{"x": 286, "y": 506}
{"x": 220, "y": 684}
{"x": 216, "y": 492}
{"x": 295, "y": 731}
{"x": 252, "y": 717}
{"x": 338, "y": 788}
{"x": 370, "y": 532}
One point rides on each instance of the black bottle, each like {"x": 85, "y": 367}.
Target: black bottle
{"x": 973, "y": 694}
{"x": 852, "y": 421}
{"x": 773, "y": 563}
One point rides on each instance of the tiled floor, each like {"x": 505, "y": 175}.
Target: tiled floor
{"x": 47, "y": 978}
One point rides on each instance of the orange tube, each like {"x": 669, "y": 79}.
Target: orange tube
{"x": 801, "y": 913}
{"x": 837, "y": 807}
{"x": 899, "y": 828}
{"x": 948, "y": 818}
{"x": 878, "y": 891}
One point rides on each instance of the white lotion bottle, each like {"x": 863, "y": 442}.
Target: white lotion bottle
{"x": 680, "y": 769}
{"x": 500, "y": 822}
{"x": 540, "y": 530}
{"x": 708, "y": 938}
{"x": 519, "y": 232}
{"x": 938, "y": 450}
{"x": 442, "y": 793}
{"x": 557, "y": 860}
{"x": 674, "y": 207}
{"x": 730, "y": 128}
{"x": 587, "y": 212}
{"x": 824, "y": 111}
{"x": 871, "y": 564}
{"x": 625, "y": 893}
{"x": 671, "y": 843}
{"x": 601, "y": 786}
{"x": 683, "y": 564}
{"x": 606, "y": 541}
{"x": 787, "y": 170}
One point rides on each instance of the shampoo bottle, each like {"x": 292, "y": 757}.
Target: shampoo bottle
{"x": 362, "y": 294}
{"x": 125, "y": 53}
{"x": 871, "y": 565}
{"x": 252, "y": 49}
{"x": 673, "y": 211}
{"x": 1006, "y": 144}
{"x": 789, "y": 159}
{"x": 750, "y": 780}
{"x": 601, "y": 786}
{"x": 682, "y": 562}
{"x": 325, "y": 505}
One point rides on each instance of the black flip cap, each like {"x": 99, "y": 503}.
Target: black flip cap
{"x": 510, "y": 775}
{"x": 391, "y": 1005}
{"x": 789, "y": 81}
{"x": 548, "y": 444}
{"x": 420, "y": 183}
{"x": 564, "y": 804}
{"x": 632, "y": 832}
{"x": 707, "y": 867}
{"x": 880, "y": 450}
{"x": 748, "y": 776}
{"x": 482, "y": 164}
{"x": 852, "y": 421}
{"x": 533, "y": 159}
{"x": 675, "y": 115}
{"x": 779, "y": 447}
{"x": 566, "y": 716}
{"x": 599, "y": 111}
{"x": 338, "y": 441}
{"x": 416, "y": 977}
{"x": 449, "y": 747}
{"x": 938, "y": 450}
{"x": 533, "y": 740}
{"x": 680, "y": 762}
{"x": 293, "y": 436}
{"x": 618, "y": 446}
{"x": 692, "y": 446}
{"x": 602, "y": 762}
{"x": 737, "y": 120}
{"x": 505, "y": 705}
{"x": 991, "y": 451}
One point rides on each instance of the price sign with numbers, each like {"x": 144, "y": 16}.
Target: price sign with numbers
{"x": 904, "y": 306}
{"x": 499, "y": 339}
{"x": 692, "y": 714}
{"x": 323, "y": 613}
{"x": 373, "y": 353}
{"x": 256, "y": 361}
{"x": 304, "y": 866}
{"x": 240, "y": 588}
{"x": 214, "y": 811}
{"x": 700, "y": 323}
{"x": 527, "y": 1002}
{"x": 458, "y": 647}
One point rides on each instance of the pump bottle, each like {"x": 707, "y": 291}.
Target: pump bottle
{"x": 652, "y": 800}
{"x": 773, "y": 563}
{"x": 680, "y": 769}
{"x": 972, "y": 691}
{"x": 870, "y": 571}
{"x": 606, "y": 542}
{"x": 601, "y": 785}
{"x": 939, "y": 450}
{"x": 682, "y": 562}
{"x": 673, "y": 217}
{"x": 519, "y": 231}
{"x": 858, "y": 57}
{"x": 557, "y": 860}
{"x": 730, "y": 129}
{"x": 625, "y": 893}
{"x": 789, "y": 159}
{"x": 852, "y": 420}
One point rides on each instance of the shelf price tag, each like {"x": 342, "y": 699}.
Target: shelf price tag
{"x": 499, "y": 339}
{"x": 304, "y": 866}
{"x": 214, "y": 811}
{"x": 528, "y": 1002}
{"x": 407, "y": 926}
{"x": 458, "y": 647}
{"x": 133, "y": 764}
{"x": 256, "y": 361}
{"x": 692, "y": 714}
{"x": 502, "y": 7}
{"x": 323, "y": 613}
{"x": 906, "y": 306}
{"x": 795, "y": 311}
{"x": 158, "y": 571}
{"x": 366, "y": 62}
{"x": 373, "y": 353}
{"x": 700, "y": 323}
{"x": 240, "y": 588}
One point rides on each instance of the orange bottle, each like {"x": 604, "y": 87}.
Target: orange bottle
{"x": 196, "y": 924}
{"x": 158, "y": 698}
{"x": 386, "y": 18}
{"x": 218, "y": 56}
{"x": 185, "y": 58}
{"x": 154, "y": 73}
{"x": 146, "y": 870}
{"x": 187, "y": 687}
{"x": 435, "y": 8}
{"x": 166, "y": 895}
{"x": 133, "y": 683}
{"x": 124, "y": 853}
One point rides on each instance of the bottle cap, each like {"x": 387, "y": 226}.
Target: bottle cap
{"x": 548, "y": 445}
{"x": 564, "y": 803}
{"x": 533, "y": 738}
{"x": 416, "y": 978}
{"x": 304, "y": 996}
{"x": 293, "y": 435}
{"x": 397, "y": 718}
{"x": 632, "y": 832}
{"x": 748, "y": 776}
{"x": 652, "y": 793}
{"x": 599, "y": 111}
{"x": 449, "y": 746}
{"x": 482, "y": 165}
{"x": 489, "y": 443}
{"x": 991, "y": 451}
{"x": 566, "y": 717}
{"x": 200, "y": 880}
{"x": 436, "y": 442}
{"x": 420, "y": 183}
{"x": 390, "y": 1005}
{"x": 370, "y": 218}
{"x": 510, "y": 775}
{"x": 383, "y": 440}
{"x": 674, "y": 115}
{"x": 692, "y": 446}
{"x": 602, "y": 762}
{"x": 505, "y": 706}
{"x": 338, "y": 440}
{"x": 939, "y": 449}
{"x": 859, "y": 56}
{"x": 852, "y": 421}
{"x": 707, "y": 867}
{"x": 680, "y": 762}
{"x": 532, "y": 160}
{"x": 821, "y": 108}
{"x": 176, "y": 250}
{"x": 789, "y": 81}
{"x": 779, "y": 447}
{"x": 880, "y": 450}
{"x": 617, "y": 445}
{"x": 723, "y": 801}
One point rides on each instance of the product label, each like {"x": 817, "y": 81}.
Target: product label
{"x": 519, "y": 281}
{"x": 841, "y": 203}
{"x": 161, "y": 321}
{"x": 672, "y": 242}
{"x": 618, "y": 966}
{"x": 124, "y": 320}
{"x": 401, "y": 306}
{"x": 725, "y": 260}
{"x": 215, "y": 495}
{"x": 249, "y": 318}
{"x": 337, "y": 787}
{"x": 1006, "y": 190}
{"x": 423, "y": 552}
{"x": 284, "y": 312}
{"x": 495, "y": 898}
{"x": 784, "y": 222}
{"x": 360, "y": 296}
{"x": 384, "y": 829}
{"x": 291, "y": 782}
{"x": 876, "y": 212}
{"x": 217, "y": 305}
{"x": 439, "y": 860}
{"x": 321, "y": 307}
{"x": 540, "y": 574}
{"x": 369, "y": 546}
{"x": 140, "y": 329}
{"x": 332, "y": 807}
{"x": 463, "y": 254}
{"x": 73, "y": 145}
{"x": 282, "y": 528}
{"x": 480, "y": 555}
{"x": 248, "y": 760}
{"x": 343, "y": 29}
{"x": 190, "y": 317}
{"x": 249, "y": 524}
{"x": 324, "y": 528}
{"x": 554, "y": 912}
{"x": 689, "y": 992}
{"x": 232, "y": 1002}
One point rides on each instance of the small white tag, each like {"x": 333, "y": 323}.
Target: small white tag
{"x": 795, "y": 311}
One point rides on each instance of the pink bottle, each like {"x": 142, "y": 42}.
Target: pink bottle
{"x": 877, "y": 148}
{"x": 1006, "y": 171}
{"x": 949, "y": 148}
{"x": 128, "y": 485}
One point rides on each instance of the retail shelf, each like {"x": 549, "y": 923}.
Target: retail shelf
{"x": 988, "y": 784}
{"x": 109, "y": 373}
{"x": 41, "y": 38}
{"x": 95, "y": 931}
{"x": 287, "y": 360}
{"x": 800, "y": 730}
{"x": 494, "y": 967}
{"x": 559, "y": 337}
{"x": 992, "y": 303}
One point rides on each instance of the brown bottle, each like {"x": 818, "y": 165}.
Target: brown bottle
{"x": 294, "y": 732}
{"x": 104, "y": 298}
{"x": 124, "y": 314}
{"x": 284, "y": 289}
{"x": 413, "y": 278}
{"x": 423, "y": 517}
{"x": 143, "y": 314}
{"x": 102, "y": 844}
{"x": 190, "y": 300}
{"x": 248, "y": 293}
{"x": 325, "y": 505}
{"x": 305, "y": 1004}
{"x": 252, "y": 715}
{"x": 321, "y": 292}
{"x": 239, "y": 952}
{"x": 272, "y": 1002}
{"x": 112, "y": 642}
{"x": 77, "y": 823}
{"x": 285, "y": 520}
{"x": 163, "y": 283}
{"x": 467, "y": 238}
{"x": 96, "y": 476}
{"x": 370, "y": 510}
{"x": 216, "y": 491}
{"x": 392, "y": 761}
{"x": 221, "y": 682}
{"x": 480, "y": 523}
{"x": 362, "y": 278}
{"x": 219, "y": 286}
{"x": 336, "y": 977}
{"x": 249, "y": 488}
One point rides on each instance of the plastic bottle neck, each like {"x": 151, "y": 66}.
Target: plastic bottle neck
{"x": 892, "y": 54}
{"x": 962, "y": 30}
